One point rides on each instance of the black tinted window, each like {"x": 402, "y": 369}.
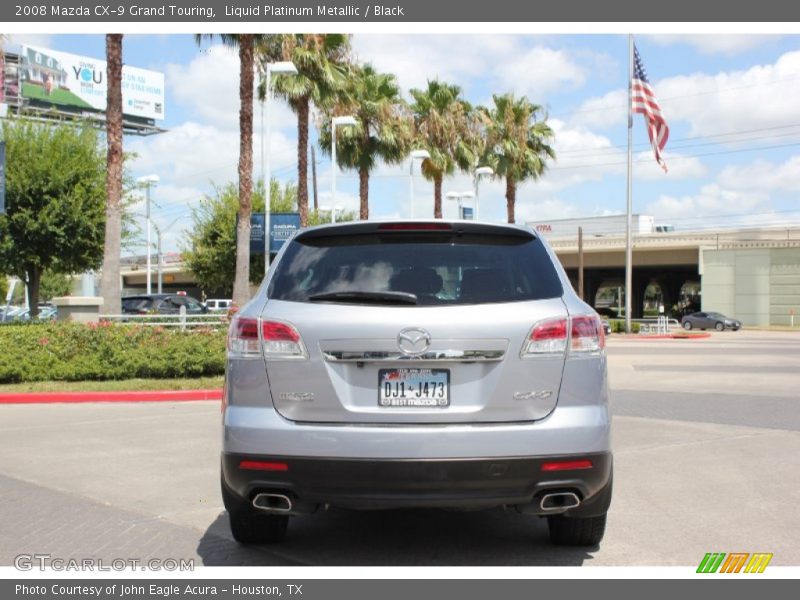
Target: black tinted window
{"x": 437, "y": 268}
{"x": 136, "y": 303}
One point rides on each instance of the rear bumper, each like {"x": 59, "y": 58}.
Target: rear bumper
{"x": 568, "y": 430}
{"x": 405, "y": 483}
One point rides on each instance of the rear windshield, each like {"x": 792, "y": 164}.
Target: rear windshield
{"x": 439, "y": 269}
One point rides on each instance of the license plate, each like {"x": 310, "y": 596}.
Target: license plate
{"x": 414, "y": 388}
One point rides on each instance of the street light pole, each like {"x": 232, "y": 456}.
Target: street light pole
{"x": 288, "y": 68}
{"x": 148, "y": 181}
{"x": 480, "y": 172}
{"x": 415, "y": 155}
{"x": 346, "y": 121}
{"x": 458, "y": 196}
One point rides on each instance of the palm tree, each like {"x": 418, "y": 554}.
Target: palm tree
{"x": 517, "y": 143}
{"x": 445, "y": 127}
{"x": 109, "y": 281}
{"x": 322, "y": 66}
{"x": 382, "y": 131}
{"x": 245, "y": 43}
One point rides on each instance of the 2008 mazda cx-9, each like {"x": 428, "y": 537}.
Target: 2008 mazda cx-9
{"x": 416, "y": 364}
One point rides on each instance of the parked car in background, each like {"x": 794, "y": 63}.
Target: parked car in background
{"x": 161, "y": 304}
{"x": 47, "y": 312}
{"x": 710, "y": 320}
{"x": 218, "y": 305}
{"x": 416, "y": 364}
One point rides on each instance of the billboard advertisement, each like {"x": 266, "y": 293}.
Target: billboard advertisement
{"x": 78, "y": 82}
{"x": 256, "y": 233}
{"x": 281, "y": 225}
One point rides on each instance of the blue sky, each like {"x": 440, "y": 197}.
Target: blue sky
{"x": 730, "y": 101}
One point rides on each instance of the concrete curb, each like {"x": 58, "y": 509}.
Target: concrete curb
{"x": 81, "y": 397}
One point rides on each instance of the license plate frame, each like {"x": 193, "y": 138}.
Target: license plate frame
{"x": 414, "y": 377}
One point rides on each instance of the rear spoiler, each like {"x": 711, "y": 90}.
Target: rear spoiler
{"x": 433, "y": 226}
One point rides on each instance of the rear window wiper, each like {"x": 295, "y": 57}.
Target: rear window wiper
{"x": 366, "y": 297}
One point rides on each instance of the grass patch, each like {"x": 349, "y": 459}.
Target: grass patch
{"x": 124, "y": 385}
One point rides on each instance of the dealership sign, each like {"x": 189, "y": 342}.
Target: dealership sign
{"x": 78, "y": 82}
{"x": 282, "y": 226}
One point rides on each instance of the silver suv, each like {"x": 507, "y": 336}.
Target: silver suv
{"x": 416, "y": 364}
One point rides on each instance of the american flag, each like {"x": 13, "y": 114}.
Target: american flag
{"x": 643, "y": 100}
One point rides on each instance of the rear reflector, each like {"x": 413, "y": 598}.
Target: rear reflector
{"x": 414, "y": 227}
{"x": 260, "y": 465}
{"x": 567, "y": 465}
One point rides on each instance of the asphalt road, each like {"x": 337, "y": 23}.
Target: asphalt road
{"x": 706, "y": 443}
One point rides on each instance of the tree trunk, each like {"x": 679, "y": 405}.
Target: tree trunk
{"x": 511, "y": 198}
{"x": 110, "y": 285}
{"x": 241, "y": 282}
{"x": 34, "y": 281}
{"x": 437, "y": 197}
{"x": 363, "y": 192}
{"x": 302, "y": 160}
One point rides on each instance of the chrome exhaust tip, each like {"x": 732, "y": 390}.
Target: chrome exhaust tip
{"x": 276, "y": 503}
{"x": 559, "y": 501}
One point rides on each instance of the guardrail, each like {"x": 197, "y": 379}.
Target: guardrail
{"x": 183, "y": 321}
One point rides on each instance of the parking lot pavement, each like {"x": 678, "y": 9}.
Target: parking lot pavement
{"x": 704, "y": 461}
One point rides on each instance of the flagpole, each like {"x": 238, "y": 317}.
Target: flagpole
{"x": 629, "y": 208}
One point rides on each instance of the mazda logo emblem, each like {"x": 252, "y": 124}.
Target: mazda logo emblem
{"x": 413, "y": 341}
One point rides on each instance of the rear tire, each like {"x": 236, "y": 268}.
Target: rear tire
{"x": 250, "y": 525}
{"x": 687, "y": 326}
{"x": 576, "y": 531}
{"x": 719, "y": 326}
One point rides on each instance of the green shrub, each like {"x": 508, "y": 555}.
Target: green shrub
{"x": 79, "y": 352}
{"x": 618, "y": 326}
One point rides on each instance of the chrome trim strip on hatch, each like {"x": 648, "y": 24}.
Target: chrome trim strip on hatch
{"x": 430, "y": 356}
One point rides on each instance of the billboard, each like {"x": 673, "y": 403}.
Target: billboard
{"x": 79, "y": 83}
{"x": 281, "y": 225}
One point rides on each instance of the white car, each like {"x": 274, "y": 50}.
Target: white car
{"x": 218, "y": 305}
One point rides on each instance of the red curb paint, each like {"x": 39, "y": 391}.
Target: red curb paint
{"x": 79, "y": 397}
{"x": 669, "y": 336}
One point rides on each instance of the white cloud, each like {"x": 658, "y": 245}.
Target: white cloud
{"x": 41, "y": 40}
{"x": 602, "y": 111}
{"x": 506, "y": 63}
{"x": 710, "y": 200}
{"x": 728, "y": 44}
{"x": 209, "y": 87}
{"x": 763, "y": 175}
{"x": 539, "y": 71}
{"x": 758, "y": 98}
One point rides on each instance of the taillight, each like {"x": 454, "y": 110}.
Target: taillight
{"x": 276, "y": 339}
{"x": 281, "y": 340}
{"x": 587, "y": 334}
{"x": 547, "y": 337}
{"x": 415, "y": 227}
{"x": 243, "y": 339}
